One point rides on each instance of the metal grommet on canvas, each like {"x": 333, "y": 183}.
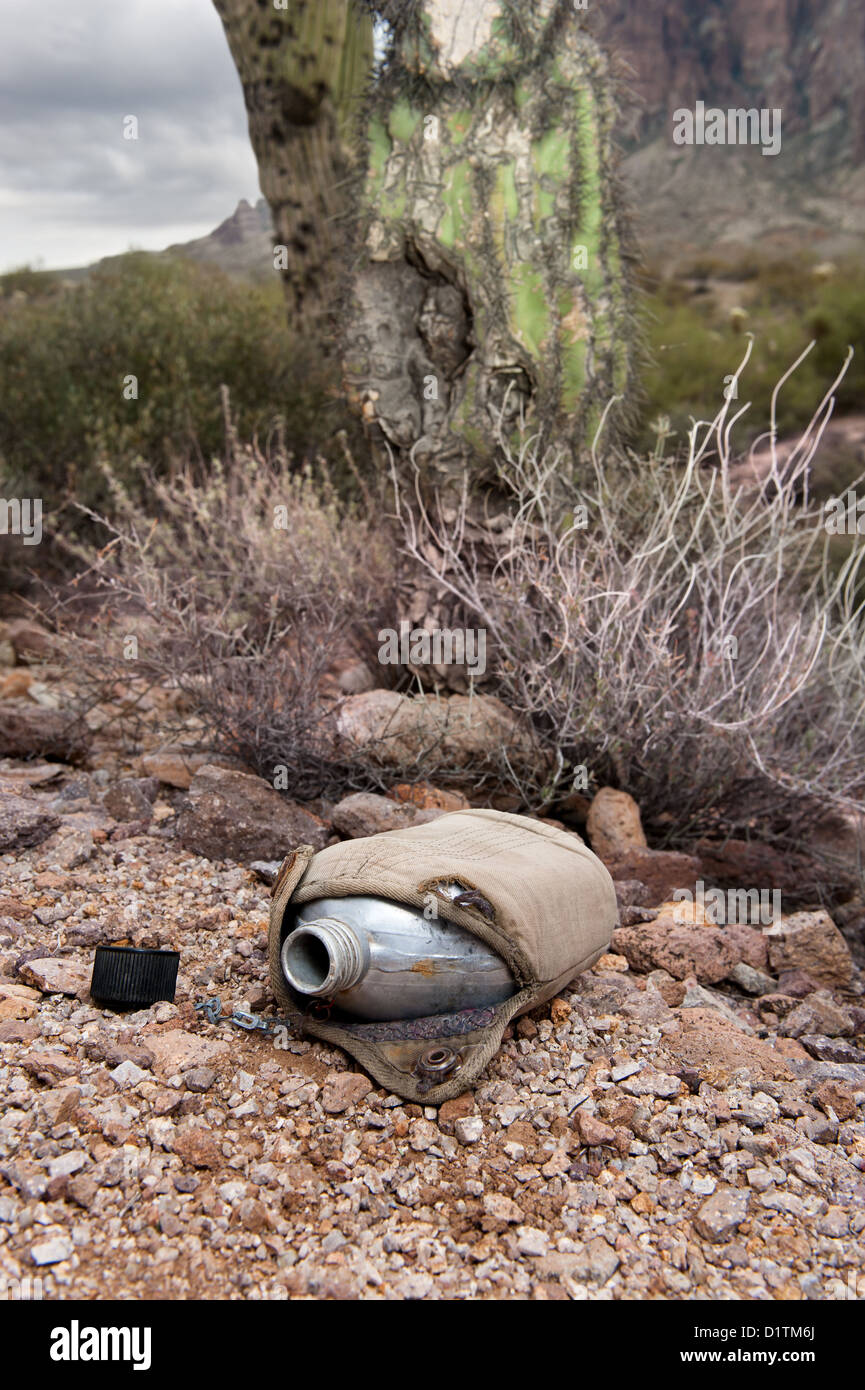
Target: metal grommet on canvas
{"x": 438, "y": 1062}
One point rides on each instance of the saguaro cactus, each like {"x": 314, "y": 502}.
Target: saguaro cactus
{"x": 492, "y": 277}
{"x": 303, "y": 66}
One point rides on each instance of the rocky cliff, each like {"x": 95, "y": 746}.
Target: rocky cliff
{"x": 804, "y": 57}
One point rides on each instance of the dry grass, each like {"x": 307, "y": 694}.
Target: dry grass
{"x": 236, "y": 593}
{"x": 690, "y": 643}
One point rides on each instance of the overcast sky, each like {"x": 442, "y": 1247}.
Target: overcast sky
{"x": 72, "y": 188}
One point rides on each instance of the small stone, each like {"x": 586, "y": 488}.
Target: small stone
{"x": 593, "y": 1131}
{"x": 752, "y": 981}
{"x": 422, "y": 1135}
{"x": 67, "y": 1163}
{"x": 597, "y": 1264}
{"x": 51, "y": 1252}
{"x": 650, "y": 1082}
{"x": 818, "y": 1014}
{"x": 127, "y": 800}
{"x": 50, "y": 1066}
{"x": 127, "y": 1074}
{"x": 57, "y": 976}
{"x": 453, "y": 1110}
{"x": 760, "y": 1179}
{"x": 344, "y": 1090}
{"x": 199, "y": 1079}
{"x": 23, "y": 820}
{"x": 176, "y": 1050}
{"x": 834, "y": 1223}
{"x": 532, "y": 1241}
{"x": 502, "y": 1208}
{"x": 70, "y": 849}
{"x": 198, "y": 1147}
{"x": 59, "y": 1105}
{"x": 626, "y": 1069}
{"x": 560, "y": 1010}
{"x": 836, "y": 1096}
{"x": 30, "y": 1180}
{"x": 468, "y": 1129}
{"x": 610, "y": 961}
{"x": 82, "y": 1190}
{"x": 722, "y": 1214}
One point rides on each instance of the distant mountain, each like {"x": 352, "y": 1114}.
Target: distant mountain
{"x": 804, "y": 57}
{"x": 241, "y": 245}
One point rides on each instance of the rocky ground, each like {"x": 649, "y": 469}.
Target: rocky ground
{"x": 686, "y": 1121}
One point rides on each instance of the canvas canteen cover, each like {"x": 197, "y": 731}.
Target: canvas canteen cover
{"x": 539, "y": 897}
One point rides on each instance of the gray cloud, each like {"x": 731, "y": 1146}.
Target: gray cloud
{"x": 72, "y": 188}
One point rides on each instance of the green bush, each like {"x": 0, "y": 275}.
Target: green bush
{"x": 693, "y": 344}
{"x": 182, "y": 330}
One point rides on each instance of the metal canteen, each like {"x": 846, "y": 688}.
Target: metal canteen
{"x": 380, "y": 960}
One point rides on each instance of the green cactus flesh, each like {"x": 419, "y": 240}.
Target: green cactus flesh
{"x": 489, "y": 179}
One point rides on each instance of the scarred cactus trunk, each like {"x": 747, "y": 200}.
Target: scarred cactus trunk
{"x": 303, "y": 67}
{"x": 491, "y": 284}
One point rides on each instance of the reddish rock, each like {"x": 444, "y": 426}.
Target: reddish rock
{"x": 789, "y": 1047}
{"x": 344, "y": 1090}
{"x": 57, "y": 975}
{"x": 593, "y": 1131}
{"x": 662, "y": 871}
{"x": 722, "y": 1214}
{"x": 613, "y": 824}
{"x": 16, "y": 1031}
{"x": 49, "y": 1066}
{"x": 28, "y": 730}
{"x": 796, "y": 983}
{"x": 678, "y": 948}
{"x": 365, "y": 813}
{"x": 749, "y": 945}
{"x": 717, "y": 1049}
{"x": 24, "y": 821}
{"x": 173, "y": 765}
{"x": 428, "y": 798}
{"x": 810, "y": 941}
{"x": 465, "y": 731}
{"x": 198, "y": 1147}
{"x": 233, "y": 815}
{"x": 834, "y": 1095}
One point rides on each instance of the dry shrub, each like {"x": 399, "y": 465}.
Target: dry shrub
{"x": 234, "y": 593}
{"x": 690, "y": 644}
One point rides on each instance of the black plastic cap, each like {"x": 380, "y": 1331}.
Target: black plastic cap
{"x": 126, "y": 975}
